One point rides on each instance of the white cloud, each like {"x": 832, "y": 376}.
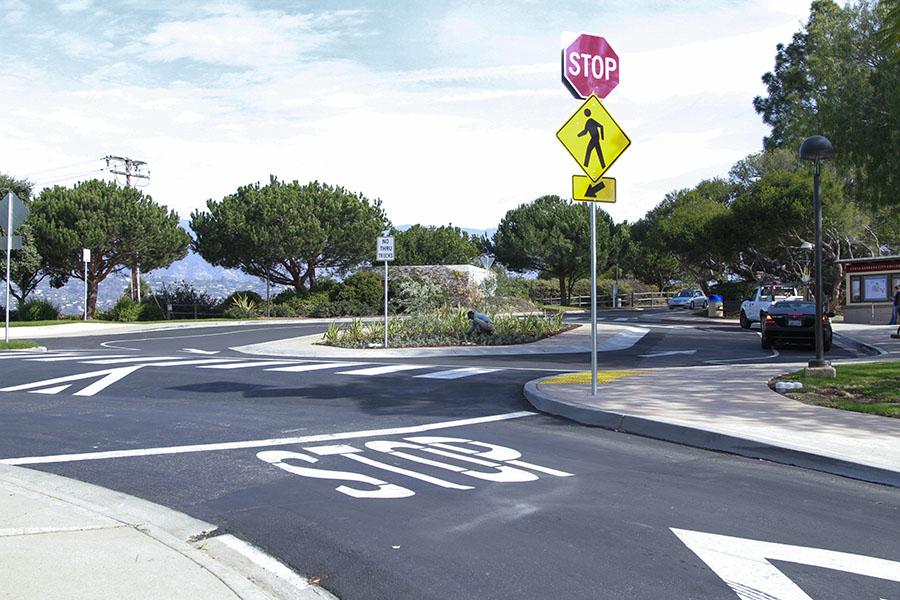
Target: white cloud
{"x": 74, "y": 6}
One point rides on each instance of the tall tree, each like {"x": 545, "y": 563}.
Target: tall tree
{"x": 26, "y": 270}
{"x": 444, "y": 245}
{"x": 686, "y": 226}
{"x": 839, "y": 77}
{"x": 551, "y": 236}
{"x": 120, "y": 226}
{"x": 286, "y": 231}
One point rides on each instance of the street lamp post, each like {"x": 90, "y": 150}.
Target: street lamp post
{"x": 817, "y": 148}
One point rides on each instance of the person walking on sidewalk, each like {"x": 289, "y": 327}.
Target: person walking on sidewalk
{"x": 896, "y": 305}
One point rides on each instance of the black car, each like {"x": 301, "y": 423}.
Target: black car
{"x": 793, "y": 322}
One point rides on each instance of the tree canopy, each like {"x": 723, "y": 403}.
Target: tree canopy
{"x": 444, "y": 245}
{"x": 120, "y": 226}
{"x": 552, "y": 236}
{"x": 26, "y": 269}
{"x": 286, "y": 231}
{"x": 839, "y": 77}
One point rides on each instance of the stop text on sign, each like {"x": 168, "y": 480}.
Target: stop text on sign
{"x": 590, "y": 67}
{"x": 599, "y": 67}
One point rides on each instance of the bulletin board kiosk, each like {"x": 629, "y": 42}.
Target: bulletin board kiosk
{"x": 870, "y": 288}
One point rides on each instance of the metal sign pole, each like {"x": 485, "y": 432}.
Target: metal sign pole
{"x": 85, "y": 289}
{"x": 593, "y": 299}
{"x": 9, "y": 218}
{"x": 385, "y": 303}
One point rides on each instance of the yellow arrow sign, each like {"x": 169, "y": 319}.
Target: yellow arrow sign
{"x": 585, "y": 190}
{"x": 593, "y": 138}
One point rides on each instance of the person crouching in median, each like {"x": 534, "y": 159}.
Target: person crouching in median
{"x": 481, "y": 324}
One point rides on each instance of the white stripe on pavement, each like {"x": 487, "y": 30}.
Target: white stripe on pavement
{"x": 114, "y": 376}
{"x": 313, "y": 367}
{"x": 62, "y": 458}
{"x": 118, "y": 361}
{"x": 383, "y": 370}
{"x": 198, "y": 361}
{"x": 58, "y": 358}
{"x": 457, "y": 373}
{"x": 246, "y": 365}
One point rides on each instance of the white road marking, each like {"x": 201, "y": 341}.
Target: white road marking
{"x": 198, "y": 351}
{"x": 62, "y": 458}
{"x": 623, "y": 340}
{"x": 59, "y": 358}
{"x": 413, "y": 474}
{"x": 52, "y": 390}
{"x": 313, "y": 367}
{"x": 110, "y": 376}
{"x": 247, "y": 365}
{"x": 119, "y": 361}
{"x": 744, "y": 564}
{"x": 382, "y": 370}
{"x": 667, "y": 353}
{"x": 456, "y": 373}
{"x": 540, "y": 469}
{"x": 182, "y": 362}
{"x": 8, "y": 354}
{"x": 621, "y": 319}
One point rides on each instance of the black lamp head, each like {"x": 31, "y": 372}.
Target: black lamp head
{"x": 816, "y": 147}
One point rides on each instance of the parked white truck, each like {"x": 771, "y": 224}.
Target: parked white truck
{"x": 752, "y": 308}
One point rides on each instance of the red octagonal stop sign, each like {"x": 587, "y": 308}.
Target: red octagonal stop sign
{"x": 590, "y": 66}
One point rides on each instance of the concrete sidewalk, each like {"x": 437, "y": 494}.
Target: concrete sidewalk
{"x": 61, "y": 538}
{"x": 732, "y": 409}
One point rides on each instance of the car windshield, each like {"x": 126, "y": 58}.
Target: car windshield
{"x": 684, "y": 294}
{"x": 779, "y": 291}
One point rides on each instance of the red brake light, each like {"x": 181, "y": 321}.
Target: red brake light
{"x": 770, "y": 320}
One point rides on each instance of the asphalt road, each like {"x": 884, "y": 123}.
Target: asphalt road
{"x": 345, "y": 471}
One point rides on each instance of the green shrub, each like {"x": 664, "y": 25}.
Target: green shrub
{"x": 247, "y": 294}
{"x": 124, "y": 310}
{"x": 37, "y": 310}
{"x": 302, "y": 304}
{"x": 363, "y": 287}
{"x": 326, "y": 285}
{"x": 734, "y": 291}
{"x": 282, "y": 310}
{"x": 150, "y": 311}
{"x": 242, "y": 307}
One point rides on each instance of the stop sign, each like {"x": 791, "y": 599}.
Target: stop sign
{"x": 590, "y": 66}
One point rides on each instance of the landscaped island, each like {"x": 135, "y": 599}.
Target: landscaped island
{"x": 445, "y": 327}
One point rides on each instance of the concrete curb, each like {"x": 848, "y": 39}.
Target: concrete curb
{"x": 700, "y": 438}
{"x": 854, "y": 344}
{"x": 247, "y": 571}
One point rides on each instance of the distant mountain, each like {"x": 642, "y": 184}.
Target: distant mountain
{"x": 217, "y": 282}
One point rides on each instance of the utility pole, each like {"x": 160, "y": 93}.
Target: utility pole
{"x": 131, "y": 169}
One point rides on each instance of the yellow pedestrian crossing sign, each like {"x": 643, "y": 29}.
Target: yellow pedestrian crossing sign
{"x": 593, "y": 138}
{"x": 585, "y": 190}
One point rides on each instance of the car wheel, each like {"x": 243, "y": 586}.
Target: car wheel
{"x": 705, "y": 305}
{"x": 671, "y": 308}
{"x": 766, "y": 343}
{"x": 692, "y": 305}
{"x": 745, "y": 322}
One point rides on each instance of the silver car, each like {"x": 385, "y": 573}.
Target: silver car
{"x": 692, "y": 299}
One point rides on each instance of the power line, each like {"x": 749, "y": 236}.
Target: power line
{"x": 46, "y": 182}
{"x": 87, "y": 162}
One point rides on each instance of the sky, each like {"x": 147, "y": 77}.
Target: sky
{"x": 446, "y": 111}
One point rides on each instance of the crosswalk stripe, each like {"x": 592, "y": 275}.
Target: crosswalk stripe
{"x": 312, "y": 367}
{"x": 38, "y": 355}
{"x": 116, "y": 361}
{"x": 383, "y": 370}
{"x": 456, "y": 373}
{"x": 58, "y": 358}
{"x": 180, "y": 363}
{"x": 246, "y": 365}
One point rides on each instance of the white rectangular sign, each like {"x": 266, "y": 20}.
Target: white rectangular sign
{"x": 86, "y": 255}
{"x": 385, "y": 248}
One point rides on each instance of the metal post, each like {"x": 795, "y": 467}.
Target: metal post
{"x": 593, "y": 299}
{"x": 8, "y": 259}
{"x": 817, "y": 209}
{"x": 268, "y": 304}
{"x": 138, "y": 271}
{"x": 85, "y": 289}
{"x": 385, "y": 303}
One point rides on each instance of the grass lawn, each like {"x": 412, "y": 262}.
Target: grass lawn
{"x": 870, "y": 387}
{"x": 37, "y": 323}
{"x": 17, "y": 345}
{"x": 559, "y": 308}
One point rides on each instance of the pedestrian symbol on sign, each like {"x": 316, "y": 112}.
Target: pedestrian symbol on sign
{"x": 595, "y": 130}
